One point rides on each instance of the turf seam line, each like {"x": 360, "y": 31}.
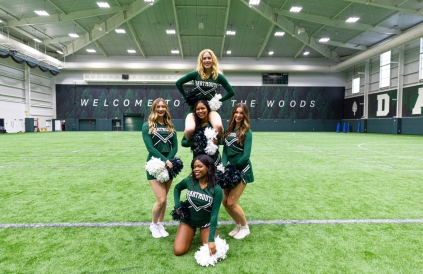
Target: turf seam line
{"x": 257, "y": 222}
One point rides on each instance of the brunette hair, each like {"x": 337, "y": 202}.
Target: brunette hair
{"x": 245, "y": 124}
{"x": 211, "y": 173}
{"x": 196, "y": 118}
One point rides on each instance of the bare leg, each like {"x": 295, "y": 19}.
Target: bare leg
{"x": 160, "y": 192}
{"x": 167, "y": 187}
{"x": 228, "y": 209}
{"x": 204, "y": 232}
{"x": 216, "y": 122}
{"x": 183, "y": 239}
{"x": 232, "y": 207}
{"x": 189, "y": 126}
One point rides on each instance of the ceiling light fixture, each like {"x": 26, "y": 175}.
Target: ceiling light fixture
{"x": 174, "y": 51}
{"x": 74, "y": 35}
{"x": 103, "y": 4}
{"x": 37, "y": 40}
{"x": 230, "y": 32}
{"x": 306, "y": 53}
{"x": 120, "y": 30}
{"x": 279, "y": 33}
{"x": 131, "y": 51}
{"x": 91, "y": 50}
{"x": 271, "y": 52}
{"x": 324, "y": 39}
{"x": 254, "y": 2}
{"x": 300, "y": 30}
{"x": 149, "y": 1}
{"x": 59, "y": 52}
{"x": 228, "y": 52}
{"x": 352, "y": 19}
{"x": 170, "y": 31}
{"x": 1, "y": 21}
{"x": 41, "y": 12}
{"x": 201, "y": 25}
{"x": 295, "y": 9}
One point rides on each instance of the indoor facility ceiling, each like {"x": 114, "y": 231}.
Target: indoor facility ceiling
{"x": 231, "y": 28}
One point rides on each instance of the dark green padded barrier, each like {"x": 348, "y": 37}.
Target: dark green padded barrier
{"x": 103, "y": 125}
{"x": 382, "y": 125}
{"x": 412, "y": 125}
{"x": 71, "y": 124}
{"x": 29, "y": 124}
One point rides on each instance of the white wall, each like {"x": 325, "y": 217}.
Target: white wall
{"x": 25, "y": 93}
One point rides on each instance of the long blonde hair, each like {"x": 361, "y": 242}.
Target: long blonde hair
{"x": 152, "y": 118}
{"x": 245, "y": 124}
{"x": 215, "y": 65}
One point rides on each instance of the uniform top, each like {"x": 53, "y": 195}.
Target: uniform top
{"x": 161, "y": 143}
{"x": 234, "y": 153}
{"x": 204, "y": 204}
{"x": 205, "y": 89}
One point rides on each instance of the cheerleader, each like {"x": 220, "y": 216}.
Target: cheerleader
{"x": 204, "y": 197}
{"x": 236, "y": 152}
{"x": 206, "y": 80}
{"x": 161, "y": 142}
{"x": 200, "y": 144}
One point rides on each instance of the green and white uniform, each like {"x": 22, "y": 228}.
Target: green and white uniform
{"x": 161, "y": 143}
{"x": 234, "y": 153}
{"x": 204, "y": 204}
{"x": 216, "y": 157}
{"x": 205, "y": 89}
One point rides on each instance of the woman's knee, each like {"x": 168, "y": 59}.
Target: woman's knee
{"x": 179, "y": 251}
{"x": 161, "y": 202}
{"x": 231, "y": 203}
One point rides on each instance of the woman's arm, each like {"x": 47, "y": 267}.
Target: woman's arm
{"x": 186, "y": 143}
{"x": 230, "y": 91}
{"x": 178, "y": 189}
{"x": 174, "y": 150}
{"x": 185, "y": 79}
{"x": 217, "y": 201}
{"x": 149, "y": 143}
{"x": 224, "y": 154}
{"x": 248, "y": 141}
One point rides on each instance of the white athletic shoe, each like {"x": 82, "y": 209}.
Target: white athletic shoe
{"x": 162, "y": 230}
{"x": 244, "y": 231}
{"x": 154, "y": 228}
{"x": 235, "y": 231}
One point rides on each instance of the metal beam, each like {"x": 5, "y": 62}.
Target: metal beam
{"x": 263, "y": 46}
{"x": 225, "y": 27}
{"x": 336, "y": 23}
{"x": 177, "y": 29}
{"x": 386, "y": 6}
{"x": 57, "y": 18}
{"x": 101, "y": 48}
{"x": 299, "y": 51}
{"x": 345, "y": 45}
{"x": 110, "y": 24}
{"x": 131, "y": 29}
{"x": 290, "y": 28}
{"x": 202, "y": 7}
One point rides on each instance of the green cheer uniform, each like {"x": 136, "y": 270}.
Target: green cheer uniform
{"x": 204, "y": 204}
{"x": 161, "y": 143}
{"x": 234, "y": 153}
{"x": 216, "y": 157}
{"x": 205, "y": 89}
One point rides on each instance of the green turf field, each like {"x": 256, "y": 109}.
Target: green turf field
{"x": 329, "y": 202}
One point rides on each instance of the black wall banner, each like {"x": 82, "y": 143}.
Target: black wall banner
{"x": 354, "y": 107}
{"x": 265, "y": 102}
{"x": 412, "y": 102}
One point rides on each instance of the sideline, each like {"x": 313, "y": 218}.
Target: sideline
{"x": 258, "y": 222}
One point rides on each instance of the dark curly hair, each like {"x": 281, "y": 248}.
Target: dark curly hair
{"x": 211, "y": 173}
{"x": 196, "y": 118}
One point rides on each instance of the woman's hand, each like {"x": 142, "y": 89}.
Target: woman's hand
{"x": 212, "y": 248}
{"x": 169, "y": 164}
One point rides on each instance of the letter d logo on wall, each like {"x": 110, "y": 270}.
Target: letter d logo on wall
{"x": 382, "y": 105}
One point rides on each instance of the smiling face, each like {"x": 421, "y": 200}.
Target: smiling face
{"x": 161, "y": 109}
{"x": 207, "y": 61}
{"x": 199, "y": 169}
{"x": 201, "y": 111}
{"x": 239, "y": 115}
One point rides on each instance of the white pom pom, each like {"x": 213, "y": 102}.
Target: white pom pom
{"x": 203, "y": 257}
{"x": 210, "y": 134}
{"x": 163, "y": 176}
{"x": 211, "y": 148}
{"x": 214, "y": 102}
{"x": 220, "y": 167}
{"x": 155, "y": 166}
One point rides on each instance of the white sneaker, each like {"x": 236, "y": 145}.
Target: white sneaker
{"x": 244, "y": 231}
{"x": 235, "y": 231}
{"x": 162, "y": 230}
{"x": 154, "y": 228}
